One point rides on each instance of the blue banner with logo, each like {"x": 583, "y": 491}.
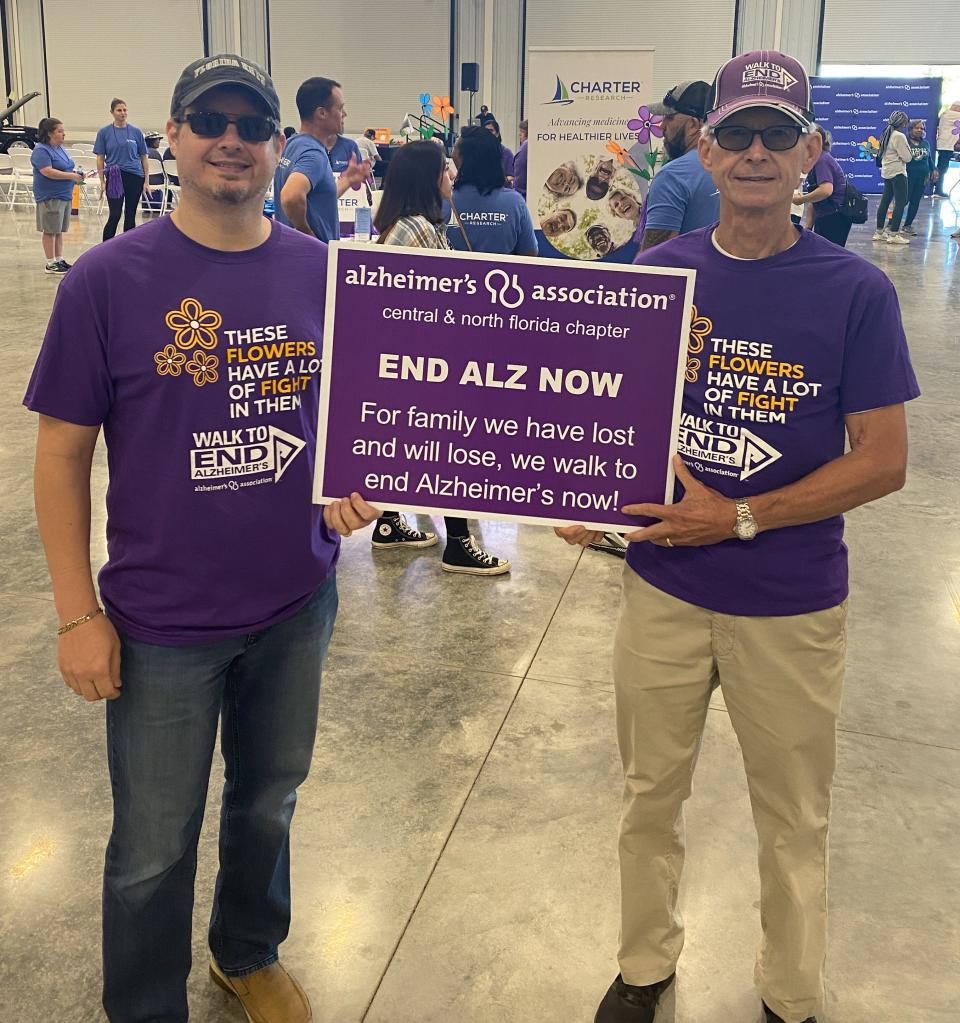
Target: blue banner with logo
{"x": 855, "y": 112}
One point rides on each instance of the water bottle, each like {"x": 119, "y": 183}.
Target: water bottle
{"x": 362, "y": 226}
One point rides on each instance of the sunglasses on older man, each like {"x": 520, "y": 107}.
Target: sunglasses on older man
{"x": 210, "y": 125}
{"x": 777, "y": 137}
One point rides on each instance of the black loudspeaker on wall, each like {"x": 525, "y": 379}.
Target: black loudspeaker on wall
{"x": 469, "y": 77}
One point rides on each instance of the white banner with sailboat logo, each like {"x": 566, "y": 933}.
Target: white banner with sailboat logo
{"x": 585, "y": 109}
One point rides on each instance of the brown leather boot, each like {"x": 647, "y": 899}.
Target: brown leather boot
{"x": 270, "y": 995}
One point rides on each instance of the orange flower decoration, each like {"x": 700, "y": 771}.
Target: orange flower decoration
{"x": 442, "y": 108}
{"x": 700, "y": 327}
{"x": 193, "y": 325}
{"x": 203, "y": 368}
{"x": 169, "y": 361}
{"x": 619, "y": 152}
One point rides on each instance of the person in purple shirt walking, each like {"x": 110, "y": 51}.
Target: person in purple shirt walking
{"x": 219, "y": 592}
{"x": 506, "y": 154}
{"x": 826, "y": 189}
{"x": 520, "y": 163}
{"x": 742, "y": 582}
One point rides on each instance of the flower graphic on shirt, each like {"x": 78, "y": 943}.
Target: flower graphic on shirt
{"x": 442, "y": 108}
{"x": 955, "y": 130}
{"x": 700, "y": 327}
{"x": 193, "y": 325}
{"x": 203, "y": 368}
{"x": 170, "y": 361}
{"x": 648, "y": 124}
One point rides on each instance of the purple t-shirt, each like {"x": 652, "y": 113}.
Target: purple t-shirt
{"x": 768, "y": 385}
{"x": 826, "y": 169}
{"x": 203, "y": 367}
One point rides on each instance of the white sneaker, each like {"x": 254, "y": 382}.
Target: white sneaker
{"x": 897, "y": 239}
{"x": 908, "y": 230}
{"x": 956, "y": 234}
{"x": 880, "y": 236}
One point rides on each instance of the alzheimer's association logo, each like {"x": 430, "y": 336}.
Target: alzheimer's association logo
{"x": 763, "y": 72}
{"x": 193, "y": 328}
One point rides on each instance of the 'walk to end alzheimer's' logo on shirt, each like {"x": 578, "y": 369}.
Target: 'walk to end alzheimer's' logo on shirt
{"x": 193, "y": 328}
{"x": 763, "y": 72}
{"x": 246, "y": 451}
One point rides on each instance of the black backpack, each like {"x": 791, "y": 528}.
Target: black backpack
{"x": 854, "y": 205}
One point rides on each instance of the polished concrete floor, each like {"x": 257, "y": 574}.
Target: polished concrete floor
{"x": 454, "y": 847}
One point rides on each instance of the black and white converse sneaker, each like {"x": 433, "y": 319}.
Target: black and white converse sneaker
{"x": 392, "y": 531}
{"x": 463, "y": 554}
{"x": 56, "y": 267}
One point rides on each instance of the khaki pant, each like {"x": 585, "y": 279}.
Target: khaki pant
{"x": 781, "y": 679}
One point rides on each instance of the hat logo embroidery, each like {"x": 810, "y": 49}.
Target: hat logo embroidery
{"x": 765, "y": 73}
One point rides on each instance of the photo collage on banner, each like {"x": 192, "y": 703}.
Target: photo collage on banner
{"x": 591, "y": 149}
{"x": 855, "y": 112}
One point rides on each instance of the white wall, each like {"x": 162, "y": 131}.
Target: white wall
{"x": 692, "y": 38}
{"x": 886, "y": 32}
{"x": 98, "y": 51}
{"x": 384, "y": 52}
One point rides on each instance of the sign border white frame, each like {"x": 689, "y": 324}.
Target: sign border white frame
{"x": 319, "y": 495}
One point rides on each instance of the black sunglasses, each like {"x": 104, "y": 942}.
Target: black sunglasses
{"x": 210, "y": 125}
{"x": 776, "y": 138}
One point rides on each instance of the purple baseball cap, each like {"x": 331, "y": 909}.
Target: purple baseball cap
{"x": 763, "y": 78}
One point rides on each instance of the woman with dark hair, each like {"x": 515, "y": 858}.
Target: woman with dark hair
{"x": 893, "y": 158}
{"x": 121, "y": 153}
{"x": 410, "y": 213}
{"x": 493, "y": 218}
{"x": 54, "y": 175}
{"x": 506, "y": 155}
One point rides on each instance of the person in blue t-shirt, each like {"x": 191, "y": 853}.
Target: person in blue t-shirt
{"x": 920, "y": 170}
{"x": 305, "y": 190}
{"x": 54, "y": 175}
{"x": 682, "y": 195}
{"x": 121, "y": 153}
{"x": 492, "y": 217}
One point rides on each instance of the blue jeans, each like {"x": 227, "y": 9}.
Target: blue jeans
{"x": 264, "y": 688}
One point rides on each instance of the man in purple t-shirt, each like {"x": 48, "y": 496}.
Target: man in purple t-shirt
{"x": 194, "y": 343}
{"x": 743, "y": 582}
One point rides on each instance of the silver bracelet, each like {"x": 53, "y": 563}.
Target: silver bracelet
{"x": 82, "y": 620}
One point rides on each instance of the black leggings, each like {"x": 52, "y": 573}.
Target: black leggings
{"x": 835, "y": 227}
{"x": 896, "y": 189}
{"x": 456, "y": 528}
{"x": 915, "y": 191}
{"x": 944, "y": 156}
{"x": 132, "y": 190}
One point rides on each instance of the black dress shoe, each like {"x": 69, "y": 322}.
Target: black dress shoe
{"x": 624, "y": 1003}
{"x": 771, "y": 1017}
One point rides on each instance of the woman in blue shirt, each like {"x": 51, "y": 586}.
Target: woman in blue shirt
{"x": 54, "y": 175}
{"x": 493, "y": 217}
{"x": 121, "y": 152}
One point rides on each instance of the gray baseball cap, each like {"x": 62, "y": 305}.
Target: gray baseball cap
{"x": 223, "y": 69}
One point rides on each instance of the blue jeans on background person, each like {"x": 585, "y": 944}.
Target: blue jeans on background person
{"x": 264, "y": 687}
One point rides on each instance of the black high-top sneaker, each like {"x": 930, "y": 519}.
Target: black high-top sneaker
{"x": 463, "y": 554}
{"x": 392, "y": 531}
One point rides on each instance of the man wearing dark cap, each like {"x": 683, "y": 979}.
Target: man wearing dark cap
{"x": 742, "y": 582}
{"x": 192, "y": 345}
{"x": 682, "y": 195}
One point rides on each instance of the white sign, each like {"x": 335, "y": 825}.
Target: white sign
{"x": 580, "y": 190}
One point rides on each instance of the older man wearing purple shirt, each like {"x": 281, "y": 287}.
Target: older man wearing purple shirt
{"x": 742, "y": 583}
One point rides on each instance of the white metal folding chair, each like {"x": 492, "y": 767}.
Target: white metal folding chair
{"x": 22, "y": 176}
{"x": 6, "y": 175}
{"x": 89, "y": 192}
{"x": 156, "y": 170}
{"x": 171, "y": 191}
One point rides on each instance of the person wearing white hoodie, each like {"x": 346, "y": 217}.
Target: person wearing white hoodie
{"x": 894, "y": 155}
{"x": 948, "y": 141}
